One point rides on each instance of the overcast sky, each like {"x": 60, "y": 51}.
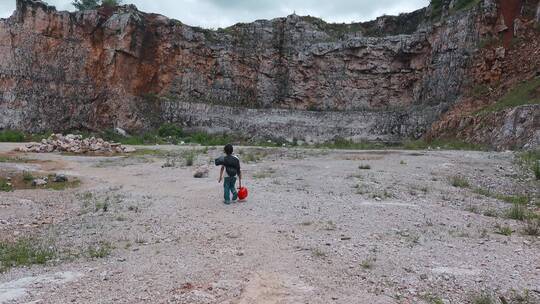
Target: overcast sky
{"x": 223, "y": 13}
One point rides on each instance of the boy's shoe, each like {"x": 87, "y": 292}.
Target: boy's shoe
{"x": 227, "y": 202}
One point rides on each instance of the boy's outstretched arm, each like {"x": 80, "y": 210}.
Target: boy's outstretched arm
{"x": 221, "y": 174}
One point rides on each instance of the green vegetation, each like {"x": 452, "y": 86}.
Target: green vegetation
{"x": 527, "y": 92}
{"x": 465, "y": 4}
{"x": 437, "y": 6}
{"x": 459, "y": 182}
{"x": 445, "y": 144}
{"x": 483, "y": 299}
{"x": 100, "y": 250}
{"x": 509, "y": 198}
{"x": 480, "y": 90}
{"x": 170, "y": 130}
{"x": 18, "y": 136}
{"x": 23, "y": 252}
{"x": 83, "y": 5}
{"x": 341, "y": 143}
{"x": 368, "y": 263}
{"x": 12, "y": 136}
{"x": 364, "y": 167}
{"x": 531, "y": 160}
{"x": 111, "y": 3}
{"x": 503, "y": 230}
{"x": 27, "y": 177}
{"x": 5, "y": 186}
{"x": 519, "y": 212}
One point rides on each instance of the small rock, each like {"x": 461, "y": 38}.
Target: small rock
{"x": 60, "y": 178}
{"x": 39, "y": 182}
{"x": 201, "y": 172}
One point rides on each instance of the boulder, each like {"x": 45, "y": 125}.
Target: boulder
{"x": 201, "y": 172}
{"x": 74, "y": 144}
{"x": 39, "y": 182}
{"x": 60, "y": 178}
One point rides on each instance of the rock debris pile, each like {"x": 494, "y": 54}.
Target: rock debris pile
{"x": 74, "y": 144}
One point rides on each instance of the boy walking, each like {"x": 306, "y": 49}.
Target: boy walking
{"x": 231, "y": 165}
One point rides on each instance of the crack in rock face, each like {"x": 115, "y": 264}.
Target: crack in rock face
{"x": 13, "y": 290}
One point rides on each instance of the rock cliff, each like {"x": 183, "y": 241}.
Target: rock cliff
{"x": 287, "y": 78}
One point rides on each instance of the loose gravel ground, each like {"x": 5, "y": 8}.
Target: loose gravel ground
{"x": 315, "y": 229}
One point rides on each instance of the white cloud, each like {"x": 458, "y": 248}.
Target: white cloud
{"x": 222, "y": 13}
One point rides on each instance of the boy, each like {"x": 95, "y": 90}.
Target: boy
{"x": 231, "y": 165}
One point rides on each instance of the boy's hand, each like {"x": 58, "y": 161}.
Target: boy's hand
{"x": 219, "y": 181}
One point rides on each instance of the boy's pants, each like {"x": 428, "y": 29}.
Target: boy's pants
{"x": 229, "y": 187}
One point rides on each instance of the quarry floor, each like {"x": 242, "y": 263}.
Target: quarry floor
{"x": 315, "y": 229}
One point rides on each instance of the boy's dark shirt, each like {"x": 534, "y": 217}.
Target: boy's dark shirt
{"x": 232, "y": 165}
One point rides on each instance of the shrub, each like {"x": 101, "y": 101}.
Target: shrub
{"x": 170, "y": 130}
{"x": 27, "y": 176}
{"x": 11, "y": 136}
{"x": 82, "y": 5}
{"x": 364, "y": 167}
{"x": 100, "y": 250}
{"x": 504, "y": 230}
{"x": 459, "y": 182}
{"x": 111, "y": 3}
{"x": 5, "y": 186}
{"x": 519, "y": 212}
{"x": 23, "y": 253}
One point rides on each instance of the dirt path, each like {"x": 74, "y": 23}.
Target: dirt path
{"x": 316, "y": 229}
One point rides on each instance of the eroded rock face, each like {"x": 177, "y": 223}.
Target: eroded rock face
{"x": 294, "y": 77}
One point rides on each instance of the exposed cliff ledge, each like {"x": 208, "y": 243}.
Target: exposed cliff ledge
{"x": 387, "y": 79}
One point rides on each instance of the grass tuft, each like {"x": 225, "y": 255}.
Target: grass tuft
{"x": 519, "y": 212}
{"x": 24, "y": 252}
{"x": 459, "y": 182}
{"x": 503, "y": 230}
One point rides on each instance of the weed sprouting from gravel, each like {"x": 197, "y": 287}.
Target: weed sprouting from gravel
{"x": 491, "y": 213}
{"x": 532, "y": 227}
{"x": 519, "y": 212}
{"x": 431, "y": 299}
{"x": 27, "y": 176}
{"x": 5, "y": 186}
{"x": 100, "y": 250}
{"x": 402, "y": 162}
{"x": 364, "y": 167}
{"x": 503, "y": 230}
{"x": 482, "y": 299}
{"x": 459, "y": 182}
{"x": 368, "y": 263}
{"x": 330, "y": 226}
{"x": 190, "y": 159}
{"x": 23, "y": 252}
{"x": 473, "y": 209}
{"x": 318, "y": 253}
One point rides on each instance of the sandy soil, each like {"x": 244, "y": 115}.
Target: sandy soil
{"x": 315, "y": 229}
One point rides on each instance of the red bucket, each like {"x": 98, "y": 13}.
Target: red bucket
{"x": 242, "y": 193}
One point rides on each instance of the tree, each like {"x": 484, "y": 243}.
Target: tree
{"x": 111, "y": 3}
{"x": 82, "y": 5}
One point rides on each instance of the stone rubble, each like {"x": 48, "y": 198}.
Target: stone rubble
{"x": 74, "y": 144}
